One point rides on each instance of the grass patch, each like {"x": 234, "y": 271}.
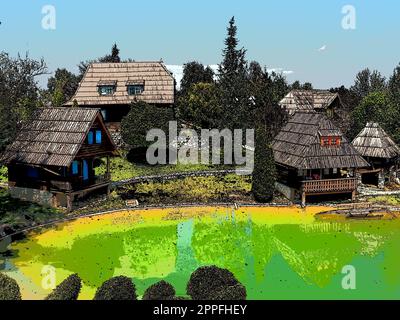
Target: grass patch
{"x": 122, "y": 169}
{"x": 385, "y": 200}
{"x": 194, "y": 189}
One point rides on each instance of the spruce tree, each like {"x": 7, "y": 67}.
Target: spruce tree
{"x": 233, "y": 82}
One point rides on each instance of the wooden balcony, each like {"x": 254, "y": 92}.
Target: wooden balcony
{"x": 329, "y": 186}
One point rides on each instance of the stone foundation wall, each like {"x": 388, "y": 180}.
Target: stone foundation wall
{"x": 41, "y": 197}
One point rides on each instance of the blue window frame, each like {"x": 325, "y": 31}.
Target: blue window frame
{"x": 136, "y": 89}
{"x": 33, "y": 172}
{"x": 106, "y": 90}
{"x": 98, "y": 136}
{"x": 75, "y": 169}
{"x": 90, "y": 137}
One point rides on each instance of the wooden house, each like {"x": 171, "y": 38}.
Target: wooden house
{"x": 375, "y": 145}
{"x": 52, "y": 158}
{"x": 112, "y": 87}
{"x": 314, "y": 158}
{"x": 310, "y": 100}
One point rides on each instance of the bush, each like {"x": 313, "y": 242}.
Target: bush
{"x": 117, "y": 288}
{"x": 67, "y": 290}
{"x": 236, "y": 292}
{"x": 9, "y": 289}
{"x": 160, "y": 291}
{"x": 212, "y": 283}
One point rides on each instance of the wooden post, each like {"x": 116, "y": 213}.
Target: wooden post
{"x": 108, "y": 167}
{"x": 69, "y": 202}
{"x": 353, "y": 195}
{"x": 303, "y": 199}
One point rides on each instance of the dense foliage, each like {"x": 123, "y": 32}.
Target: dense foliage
{"x": 141, "y": 118}
{"x": 211, "y": 282}
{"x": 61, "y": 87}
{"x": 9, "y": 289}
{"x": 161, "y": 290}
{"x": 264, "y": 174}
{"x": 69, "y": 289}
{"x": 117, "y": 288}
{"x": 19, "y": 93}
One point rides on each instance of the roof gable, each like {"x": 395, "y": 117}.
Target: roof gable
{"x": 53, "y": 137}
{"x": 373, "y": 141}
{"x": 159, "y": 84}
{"x": 298, "y": 144}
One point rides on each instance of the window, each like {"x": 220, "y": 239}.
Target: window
{"x": 136, "y": 89}
{"x": 330, "y": 141}
{"x": 75, "y": 167}
{"x": 33, "y": 172}
{"x": 90, "y": 137}
{"x": 98, "y": 136}
{"x": 106, "y": 90}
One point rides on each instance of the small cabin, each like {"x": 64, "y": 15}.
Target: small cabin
{"x": 311, "y": 100}
{"x": 113, "y": 87}
{"x": 376, "y": 146}
{"x": 313, "y": 158}
{"x": 52, "y": 160}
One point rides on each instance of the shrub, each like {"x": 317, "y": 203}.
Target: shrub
{"x": 236, "y": 292}
{"x": 117, "y": 288}
{"x": 211, "y": 282}
{"x": 160, "y": 291}
{"x": 9, "y": 289}
{"x": 67, "y": 290}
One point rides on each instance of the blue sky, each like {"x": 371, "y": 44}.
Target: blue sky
{"x": 282, "y": 34}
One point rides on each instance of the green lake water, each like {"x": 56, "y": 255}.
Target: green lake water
{"x": 275, "y": 253}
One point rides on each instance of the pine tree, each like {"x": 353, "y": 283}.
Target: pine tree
{"x": 233, "y": 82}
{"x": 115, "y": 54}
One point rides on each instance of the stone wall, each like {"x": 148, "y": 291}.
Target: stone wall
{"x": 33, "y": 195}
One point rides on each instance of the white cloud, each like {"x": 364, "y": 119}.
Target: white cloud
{"x": 280, "y": 70}
{"x": 323, "y": 48}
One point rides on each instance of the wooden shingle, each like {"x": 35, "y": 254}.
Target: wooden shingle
{"x": 53, "y": 137}
{"x": 298, "y": 144}
{"x": 159, "y": 84}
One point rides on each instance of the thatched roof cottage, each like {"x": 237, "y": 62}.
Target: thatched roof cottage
{"x": 376, "y": 146}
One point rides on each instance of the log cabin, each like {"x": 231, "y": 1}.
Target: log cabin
{"x": 113, "y": 87}
{"x": 52, "y": 159}
{"x": 376, "y": 146}
{"x": 314, "y": 158}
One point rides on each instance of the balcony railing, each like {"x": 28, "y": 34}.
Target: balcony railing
{"x": 329, "y": 185}
{"x": 77, "y": 183}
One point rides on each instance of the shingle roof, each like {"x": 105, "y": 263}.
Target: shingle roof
{"x": 53, "y": 137}
{"x": 297, "y": 100}
{"x": 298, "y": 144}
{"x": 373, "y": 141}
{"x": 159, "y": 84}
